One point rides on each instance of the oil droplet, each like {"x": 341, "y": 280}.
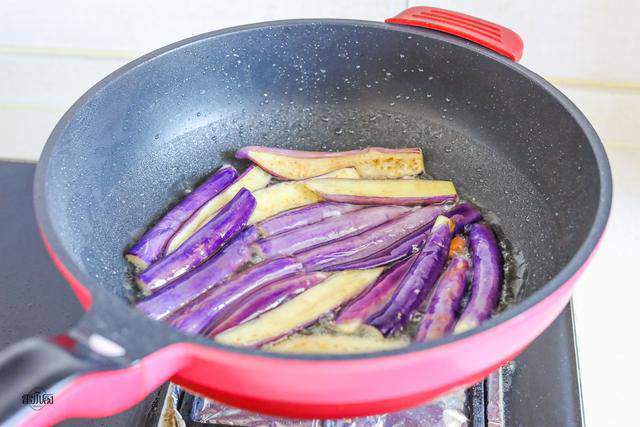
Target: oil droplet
{"x": 338, "y": 131}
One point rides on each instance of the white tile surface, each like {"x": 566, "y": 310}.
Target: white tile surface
{"x": 51, "y": 81}
{"x": 144, "y": 25}
{"x": 24, "y": 132}
{"x": 612, "y": 112}
{"x": 590, "y": 39}
{"x": 606, "y": 309}
{"x": 35, "y": 90}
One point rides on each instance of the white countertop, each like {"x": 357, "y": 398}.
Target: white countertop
{"x": 604, "y": 304}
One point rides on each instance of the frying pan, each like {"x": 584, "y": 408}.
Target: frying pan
{"x": 510, "y": 141}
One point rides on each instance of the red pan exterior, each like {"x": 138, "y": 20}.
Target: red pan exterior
{"x": 342, "y": 388}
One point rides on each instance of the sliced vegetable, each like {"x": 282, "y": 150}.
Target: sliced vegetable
{"x": 383, "y": 191}
{"x": 331, "y": 256}
{"x": 373, "y": 162}
{"x": 334, "y": 344}
{"x": 201, "y": 245}
{"x": 487, "y": 278}
{"x": 289, "y": 195}
{"x": 462, "y": 214}
{"x": 210, "y": 308}
{"x": 418, "y": 281}
{"x": 302, "y": 310}
{"x": 372, "y": 300}
{"x": 177, "y": 294}
{"x": 301, "y": 217}
{"x": 252, "y": 179}
{"x": 444, "y": 302}
{"x": 325, "y": 231}
{"x": 266, "y": 298}
{"x": 151, "y": 245}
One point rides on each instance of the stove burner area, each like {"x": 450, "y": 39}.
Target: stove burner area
{"x": 458, "y": 409}
{"x": 455, "y": 409}
{"x": 540, "y": 388}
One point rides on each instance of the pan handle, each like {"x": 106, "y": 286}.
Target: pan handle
{"x": 47, "y": 380}
{"x": 493, "y": 36}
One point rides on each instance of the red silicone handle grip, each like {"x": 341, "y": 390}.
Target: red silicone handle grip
{"x": 485, "y": 33}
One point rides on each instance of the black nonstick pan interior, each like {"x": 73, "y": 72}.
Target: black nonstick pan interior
{"x": 144, "y": 136}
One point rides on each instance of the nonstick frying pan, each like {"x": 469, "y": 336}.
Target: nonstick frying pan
{"x": 511, "y": 142}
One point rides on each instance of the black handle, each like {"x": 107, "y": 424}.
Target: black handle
{"x": 33, "y": 370}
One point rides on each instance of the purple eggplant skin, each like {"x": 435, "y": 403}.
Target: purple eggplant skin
{"x": 486, "y": 283}
{"x": 462, "y": 214}
{"x": 322, "y": 232}
{"x": 151, "y": 245}
{"x": 360, "y": 246}
{"x": 171, "y": 298}
{"x": 266, "y": 298}
{"x": 418, "y": 281}
{"x": 374, "y": 298}
{"x": 202, "y": 315}
{"x": 301, "y": 217}
{"x": 201, "y": 245}
{"x": 444, "y": 302}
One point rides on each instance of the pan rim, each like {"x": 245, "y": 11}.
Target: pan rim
{"x": 579, "y": 258}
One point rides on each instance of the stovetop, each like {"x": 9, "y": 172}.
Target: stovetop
{"x": 540, "y": 388}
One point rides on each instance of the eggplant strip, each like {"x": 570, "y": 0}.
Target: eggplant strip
{"x": 444, "y": 302}
{"x": 151, "y": 245}
{"x": 418, "y": 281}
{"x": 177, "y": 294}
{"x": 334, "y": 344}
{"x": 372, "y": 162}
{"x": 282, "y": 197}
{"x": 302, "y": 310}
{"x": 252, "y": 179}
{"x": 487, "y": 278}
{"x": 201, "y": 316}
{"x": 267, "y": 298}
{"x": 330, "y": 256}
{"x": 201, "y": 245}
{"x": 373, "y": 299}
{"x": 462, "y": 214}
{"x": 383, "y": 191}
{"x": 301, "y": 217}
{"x": 326, "y": 231}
